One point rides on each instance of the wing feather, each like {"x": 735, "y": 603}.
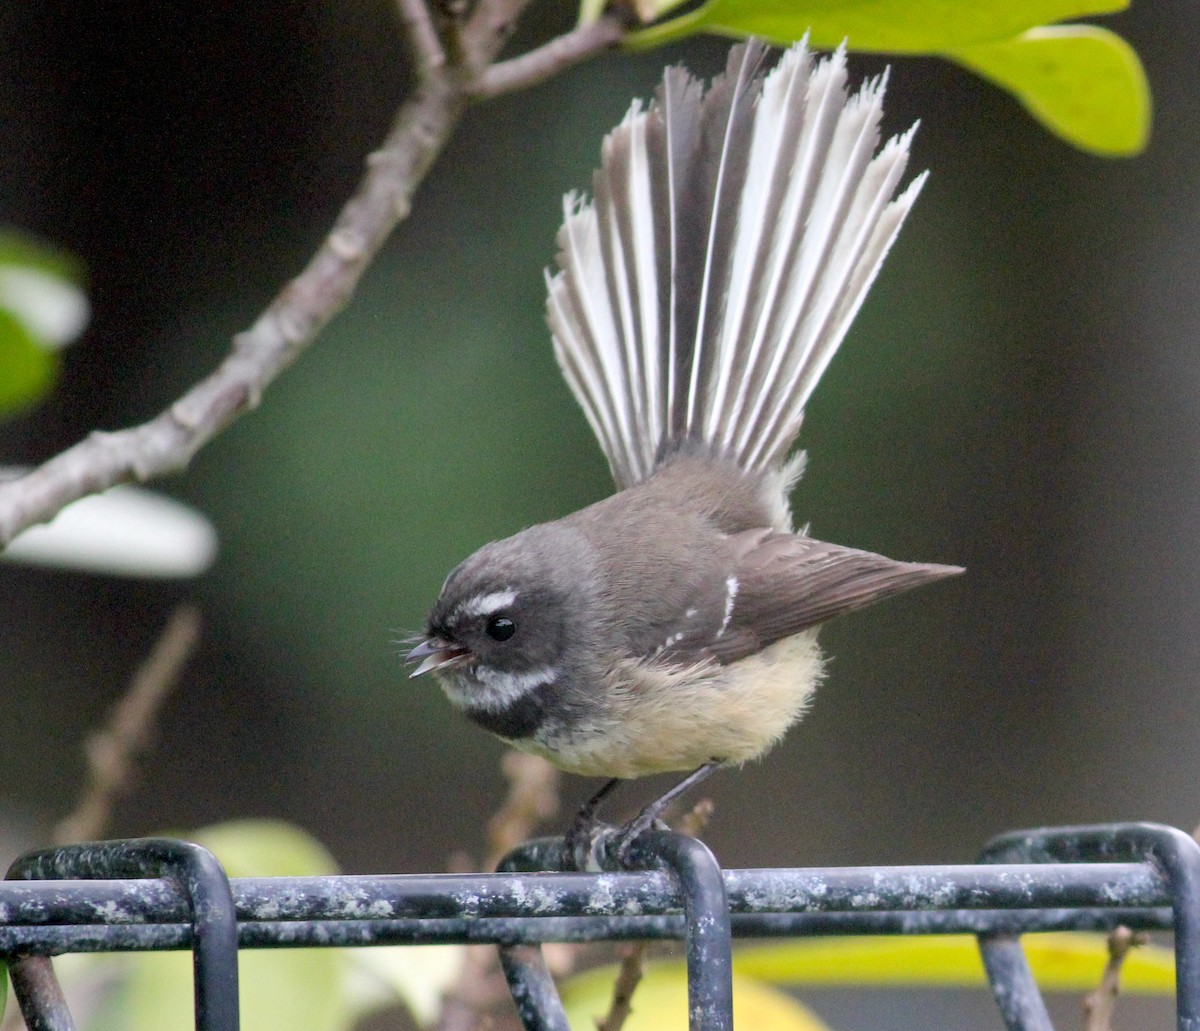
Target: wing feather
{"x": 788, "y": 583}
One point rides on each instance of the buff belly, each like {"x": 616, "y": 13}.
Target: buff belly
{"x": 660, "y": 719}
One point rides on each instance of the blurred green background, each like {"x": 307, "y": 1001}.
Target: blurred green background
{"x": 1020, "y": 395}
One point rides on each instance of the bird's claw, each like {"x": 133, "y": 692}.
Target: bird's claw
{"x": 586, "y": 843}
{"x": 592, "y": 845}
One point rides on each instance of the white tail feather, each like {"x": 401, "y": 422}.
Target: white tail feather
{"x": 733, "y": 237}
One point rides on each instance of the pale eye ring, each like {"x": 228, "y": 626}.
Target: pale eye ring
{"x": 500, "y": 628}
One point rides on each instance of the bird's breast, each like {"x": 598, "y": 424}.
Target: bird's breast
{"x": 656, "y": 718}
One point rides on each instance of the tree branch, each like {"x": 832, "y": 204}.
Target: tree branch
{"x": 532, "y": 799}
{"x": 448, "y": 69}
{"x": 111, "y": 752}
{"x": 487, "y": 29}
{"x": 422, "y": 35}
{"x": 290, "y": 323}
{"x": 547, "y": 61}
{"x": 629, "y": 976}
{"x": 1100, "y": 1006}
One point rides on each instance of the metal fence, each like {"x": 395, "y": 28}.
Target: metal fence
{"x": 154, "y": 893}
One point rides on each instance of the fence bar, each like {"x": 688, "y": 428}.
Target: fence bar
{"x": 1013, "y": 987}
{"x": 1174, "y": 854}
{"x": 932, "y": 890}
{"x": 201, "y": 880}
{"x": 709, "y": 938}
{"x": 163, "y": 894}
{"x": 39, "y": 995}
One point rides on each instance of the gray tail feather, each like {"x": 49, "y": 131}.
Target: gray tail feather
{"x": 732, "y": 237}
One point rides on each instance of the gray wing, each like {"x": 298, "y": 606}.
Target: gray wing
{"x": 781, "y": 584}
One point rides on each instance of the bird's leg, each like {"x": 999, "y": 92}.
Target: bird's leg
{"x": 586, "y": 839}
{"x": 587, "y": 811}
{"x": 585, "y": 831}
{"x": 649, "y": 817}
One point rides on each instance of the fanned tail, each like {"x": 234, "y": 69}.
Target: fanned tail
{"x": 732, "y": 237}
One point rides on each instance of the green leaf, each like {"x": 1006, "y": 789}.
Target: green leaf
{"x": 415, "y": 976}
{"x": 43, "y": 288}
{"x": 893, "y": 26}
{"x": 18, "y": 249}
{"x": 1083, "y": 83}
{"x": 125, "y": 531}
{"x": 265, "y": 848}
{"x": 41, "y": 309}
{"x": 298, "y": 989}
{"x": 1060, "y": 962}
{"x": 27, "y": 371}
{"x": 3, "y": 988}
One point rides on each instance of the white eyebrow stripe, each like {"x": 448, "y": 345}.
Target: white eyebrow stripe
{"x": 487, "y": 604}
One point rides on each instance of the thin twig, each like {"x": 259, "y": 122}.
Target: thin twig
{"x": 111, "y": 752}
{"x": 304, "y": 306}
{"x": 696, "y": 819}
{"x": 422, "y": 35}
{"x": 633, "y": 958}
{"x": 1100, "y": 1005}
{"x": 291, "y": 322}
{"x": 548, "y": 60}
{"x": 532, "y": 798}
{"x": 494, "y": 18}
{"x": 110, "y": 755}
{"x": 487, "y": 28}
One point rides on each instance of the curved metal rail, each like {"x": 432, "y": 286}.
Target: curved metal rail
{"x": 152, "y": 894}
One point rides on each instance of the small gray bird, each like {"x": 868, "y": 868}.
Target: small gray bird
{"x": 732, "y": 237}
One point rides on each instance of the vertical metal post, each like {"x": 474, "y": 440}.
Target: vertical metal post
{"x": 1178, "y": 855}
{"x": 1174, "y": 854}
{"x": 39, "y": 995}
{"x": 534, "y": 993}
{"x": 709, "y": 937}
{"x": 199, "y": 877}
{"x": 1013, "y": 987}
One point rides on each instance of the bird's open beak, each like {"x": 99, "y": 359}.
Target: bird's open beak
{"x": 436, "y": 653}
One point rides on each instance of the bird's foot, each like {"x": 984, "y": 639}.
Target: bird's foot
{"x": 592, "y": 844}
{"x": 588, "y": 835}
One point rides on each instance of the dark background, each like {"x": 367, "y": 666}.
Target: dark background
{"x": 1019, "y": 396}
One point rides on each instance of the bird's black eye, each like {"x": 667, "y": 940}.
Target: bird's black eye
{"x": 500, "y": 628}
